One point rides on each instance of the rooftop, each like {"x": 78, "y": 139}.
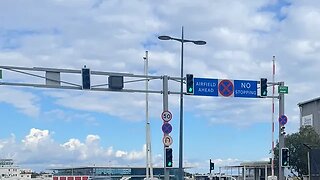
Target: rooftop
{"x": 309, "y": 101}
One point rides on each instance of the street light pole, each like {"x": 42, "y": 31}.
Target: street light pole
{"x": 181, "y": 174}
{"x": 182, "y": 41}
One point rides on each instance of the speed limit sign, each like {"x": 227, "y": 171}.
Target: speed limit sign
{"x": 166, "y": 116}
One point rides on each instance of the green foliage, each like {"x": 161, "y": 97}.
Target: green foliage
{"x": 298, "y": 151}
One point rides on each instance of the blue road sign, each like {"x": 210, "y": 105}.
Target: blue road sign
{"x": 166, "y": 128}
{"x": 205, "y": 87}
{"x": 225, "y": 88}
{"x": 283, "y": 120}
{"x": 245, "y": 88}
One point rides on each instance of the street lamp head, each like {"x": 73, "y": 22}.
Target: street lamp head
{"x": 199, "y": 42}
{"x": 164, "y": 37}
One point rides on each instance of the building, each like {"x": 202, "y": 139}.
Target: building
{"x": 10, "y": 171}
{"x": 103, "y": 172}
{"x": 310, "y": 114}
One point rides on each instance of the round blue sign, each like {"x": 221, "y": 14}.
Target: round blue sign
{"x": 225, "y": 88}
{"x": 166, "y": 128}
{"x": 283, "y": 119}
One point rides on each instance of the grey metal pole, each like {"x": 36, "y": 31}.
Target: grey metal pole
{"x": 148, "y": 141}
{"x": 165, "y": 108}
{"x": 181, "y": 174}
{"x": 281, "y": 136}
{"x": 309, "y": 172}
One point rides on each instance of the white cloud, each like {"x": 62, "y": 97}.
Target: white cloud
{"x": 39, "y": 148}
{"x": 25, "y": 102}
{"x": 35, "y": 138}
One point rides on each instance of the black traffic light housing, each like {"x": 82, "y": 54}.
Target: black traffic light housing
{"x": 263, "y": 87}
{"x": 85, "y": 72}
{"x": 211, "y": 166}
{"x": 285, "y": 157}
{"x": 190, "y": 84}
{"x": 168, "y": 158}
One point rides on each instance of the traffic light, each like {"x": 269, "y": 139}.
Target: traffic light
{"x": 169, "y": 162}
{"x": 190, "y": 85}
{"x": 85, "y": 72}
{"x": 263, "y": 87}
{"x": 285, "y": 157}
{"x": 211, "y": 166}
{"x": 282, "y": 130}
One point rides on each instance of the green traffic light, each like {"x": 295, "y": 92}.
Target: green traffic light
{"x": 190, "y": 89}
{"x": 169, "y": 164}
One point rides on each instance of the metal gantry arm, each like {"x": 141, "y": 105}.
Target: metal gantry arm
{"x": 74, "y": 86}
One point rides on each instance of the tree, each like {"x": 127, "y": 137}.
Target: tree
{"x": 298, "y": 151}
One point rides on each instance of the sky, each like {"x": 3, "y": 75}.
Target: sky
{"x": 47, "y": 128}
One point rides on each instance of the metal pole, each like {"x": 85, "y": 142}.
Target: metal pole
{"x": 281, "y": 136}
{"x": 149, "y": 130}
{"x": 148, "y": 141}
{"x": 165, "y": 108}
{"x": 309, "y": 172}
{"x": 181, "y": 174}
{"x": 272, "y": 121}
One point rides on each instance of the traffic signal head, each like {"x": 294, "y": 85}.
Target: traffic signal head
{"x": 85, "y": 72}
{"x": 282, "y": 130}
{"x": 263, "y": 87}
{"x": 285, "y": 157}
{"x": 168, "y": 159}
{"x": 211, "y": 166}
{"x": 190, "y": 84}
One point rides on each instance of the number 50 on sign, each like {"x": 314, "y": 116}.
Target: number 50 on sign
{"x": 166, "y": 116}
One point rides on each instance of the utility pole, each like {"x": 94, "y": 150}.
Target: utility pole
{"x": 281, "y": 136}
{"x": 149, "y": 168}
{"x": 165, "y": 108}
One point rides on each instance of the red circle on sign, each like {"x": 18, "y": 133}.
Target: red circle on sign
{"x": 225, "y": 88}
{"x": 166, "y": 116}
{"x": 283, "y": 120}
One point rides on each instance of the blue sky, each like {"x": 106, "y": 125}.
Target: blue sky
{"x": 44, "y": 128}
